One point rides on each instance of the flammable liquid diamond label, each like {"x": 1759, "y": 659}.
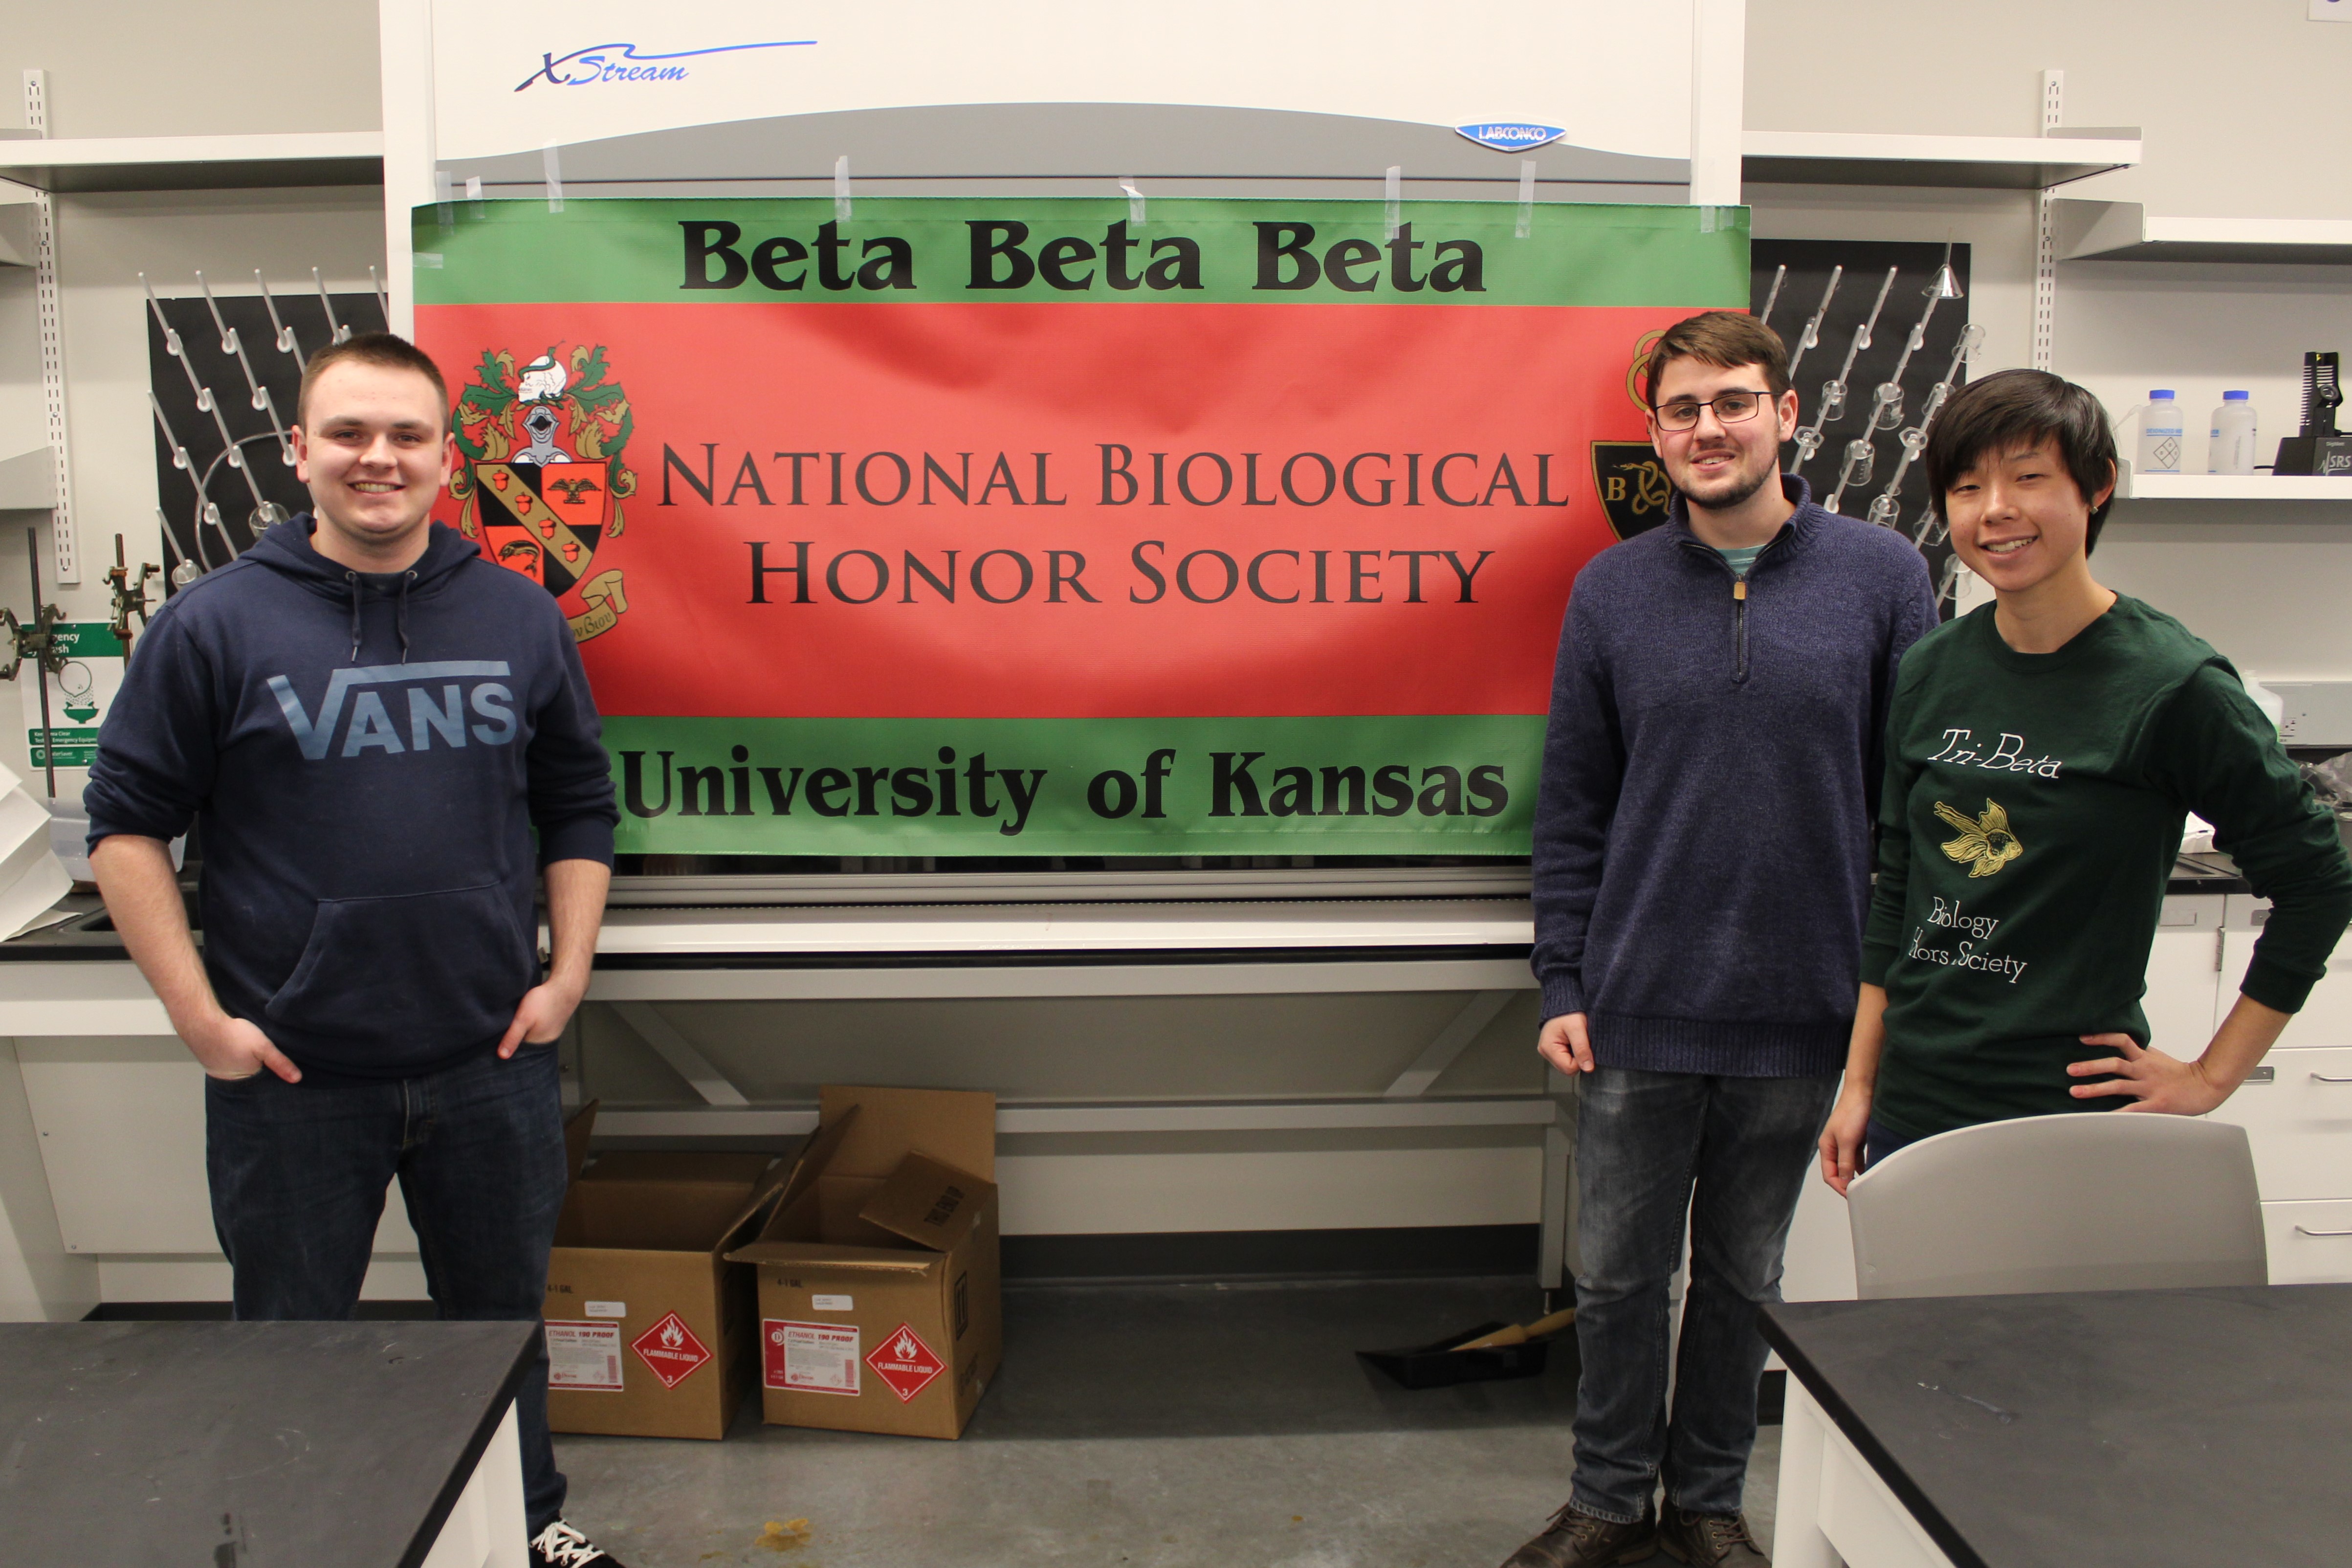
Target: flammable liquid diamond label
{"x": 670, "y": 1349}
{"x": 905, "y": 1363}
{"x": 814, "y": 1357}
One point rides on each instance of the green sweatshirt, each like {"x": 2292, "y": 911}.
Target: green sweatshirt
{"x": 2031, "y": 815}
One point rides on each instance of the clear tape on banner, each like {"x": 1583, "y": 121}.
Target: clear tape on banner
{"x": 841, "y": 188}
{"x": 1395, "y": 199}
{"x": 444, "y": 199}
{"x": 474, "y": 192}
{"x": 552, "y": 163}
{"x": 1527, "y": 228}
{"x": 1134, "y": 199}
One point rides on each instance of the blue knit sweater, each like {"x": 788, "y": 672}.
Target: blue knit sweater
{"x": 1711, "y": 773}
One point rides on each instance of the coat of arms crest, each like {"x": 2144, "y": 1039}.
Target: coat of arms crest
{"x": 542, "y": 481}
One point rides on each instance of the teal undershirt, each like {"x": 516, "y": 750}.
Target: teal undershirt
{"x": 1740, "y": 560}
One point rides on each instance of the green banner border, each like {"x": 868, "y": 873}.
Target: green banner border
{"x": 1057, "y": 762}
{"x": 630, "y": 250}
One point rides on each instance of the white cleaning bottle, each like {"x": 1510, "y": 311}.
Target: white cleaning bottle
{"x": 2160, "y": 434}
{"x": 2231, "y": 448}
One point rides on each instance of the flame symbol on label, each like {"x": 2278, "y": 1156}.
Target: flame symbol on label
{"x": 671, "y": 1335}
{"x": 905, "y": 1347}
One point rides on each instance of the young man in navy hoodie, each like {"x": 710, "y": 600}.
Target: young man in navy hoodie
{"x": 1702, "y": 866}
{"x": 367, "y": 721}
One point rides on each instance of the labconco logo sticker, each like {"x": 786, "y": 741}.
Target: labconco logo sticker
{"x": 1510, "y": 135}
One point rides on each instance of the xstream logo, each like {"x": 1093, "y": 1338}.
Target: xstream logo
{"x": 431, "y": 713}
{"x": 621, "y": 62}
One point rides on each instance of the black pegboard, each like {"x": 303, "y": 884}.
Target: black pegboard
{"x": 1808, "y": 264}
{"x": 217, "y": 367}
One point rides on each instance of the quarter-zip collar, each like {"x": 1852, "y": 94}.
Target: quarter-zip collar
{"x": 1794, "y": 534}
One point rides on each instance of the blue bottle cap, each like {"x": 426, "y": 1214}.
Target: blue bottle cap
{"x": 2234, "y": 396}
{"x": 2159, "y": 396}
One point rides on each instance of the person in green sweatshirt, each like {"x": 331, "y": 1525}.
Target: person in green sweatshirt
{"x": 2042, "y": 752}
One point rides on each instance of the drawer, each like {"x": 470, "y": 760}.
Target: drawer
{"x": 2310, "y": 1244}
{"x": 2299, "y": 1120}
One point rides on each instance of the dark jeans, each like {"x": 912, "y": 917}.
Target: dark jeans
{"x": 299, "y": 1174}
{"x": 1879, "y": 1141}
{"x": 1733, "y": 1153}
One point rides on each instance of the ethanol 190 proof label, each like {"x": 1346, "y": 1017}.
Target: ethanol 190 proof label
{"x": 584, "y": 1355}
{"x": 815, "y": 1358}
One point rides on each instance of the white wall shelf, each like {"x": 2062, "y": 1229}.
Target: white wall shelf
{"x": 1984, "y": 162}
{"x": 193, "y": 163}
{"x": 28, "y": 481}
{"x": 2231, "y": 487}
{"x": 2123, "y": 231}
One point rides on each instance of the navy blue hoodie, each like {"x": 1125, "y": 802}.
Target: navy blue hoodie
{"x": 1711, "y": 771}
{"x": 367, "y": 763}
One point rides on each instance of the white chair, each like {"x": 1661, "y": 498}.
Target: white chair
{"x": 2078, "y": 1202}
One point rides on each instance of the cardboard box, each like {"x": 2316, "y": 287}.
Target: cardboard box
{"x": 879, "y": 1275}
{"x": 650, "y": 1332}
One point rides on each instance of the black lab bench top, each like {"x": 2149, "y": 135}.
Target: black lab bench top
{"x": 251, "y": 1445}
{"x": 2143, "y": 1428}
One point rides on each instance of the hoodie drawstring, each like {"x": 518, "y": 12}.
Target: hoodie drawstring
{"x": 400, "y": 615}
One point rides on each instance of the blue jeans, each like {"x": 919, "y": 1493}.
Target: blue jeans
{"x": 1879, "y": 1141}
{"x": 1732, "y": 1153}
{"x": 299, "y": 1172}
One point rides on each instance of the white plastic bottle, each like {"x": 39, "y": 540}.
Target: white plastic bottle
{"x": 2160, "y": 434}
{"x": 2231, "y": 448}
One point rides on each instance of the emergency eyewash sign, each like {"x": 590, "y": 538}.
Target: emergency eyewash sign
{"x": 976, "y": 527}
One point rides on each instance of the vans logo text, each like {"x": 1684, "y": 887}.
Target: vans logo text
{"x": 431, "y": 713}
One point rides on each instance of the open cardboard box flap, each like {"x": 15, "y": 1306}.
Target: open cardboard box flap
{"x": 929, "y": 1203}
{"x": 955, "y": 1127}
{"x": 827, "y": 1255}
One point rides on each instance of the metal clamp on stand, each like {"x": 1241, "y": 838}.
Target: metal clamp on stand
{"x": 37, "y": 640}
{"x": 130, "y": 596}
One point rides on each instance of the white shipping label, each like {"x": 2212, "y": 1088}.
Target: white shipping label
{"x": 831, "y": 1304}
{"x": 815, "y": 1358}
{"x": 584, "y": 1356}
{"x": 607, "y": 1309}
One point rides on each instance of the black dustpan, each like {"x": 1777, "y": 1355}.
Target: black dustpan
{"x": 1439, "y": 1365}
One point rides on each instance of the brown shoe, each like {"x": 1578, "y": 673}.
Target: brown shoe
{"x": 1709, "y": 1540}
{"x": 1576, "y": 1540}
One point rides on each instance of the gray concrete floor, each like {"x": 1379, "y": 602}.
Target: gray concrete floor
{"x": 1168, "y": 1426}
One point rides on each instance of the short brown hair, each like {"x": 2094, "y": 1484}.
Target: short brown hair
{"x": 389, "y": 350}
{"x": 2015, "y": 411}
{"x": 1725, "y": 339}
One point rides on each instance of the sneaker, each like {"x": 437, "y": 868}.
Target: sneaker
{"x": 561, "y": 1546}
{"x": 1709, "y": 1540}
{"x": 1575, "y": 1540}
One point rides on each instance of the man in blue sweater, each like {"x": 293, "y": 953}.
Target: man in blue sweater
{"x": 367, "y": 721}
{"x": 1701, "y": 866}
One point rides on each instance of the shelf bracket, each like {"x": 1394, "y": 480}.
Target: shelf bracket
{"x": 680, "y": 1053}
{"x": 1441, "y": 1052}
{"x": 65, "y": 554}
{"x": 2045, "y": 231}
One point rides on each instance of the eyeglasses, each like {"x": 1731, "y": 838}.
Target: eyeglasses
{"x": 1730, "y": 409}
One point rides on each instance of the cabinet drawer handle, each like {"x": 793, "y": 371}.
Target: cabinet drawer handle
{"x": 2323, "y": 1078}
{"x": 2305, "y": 1230}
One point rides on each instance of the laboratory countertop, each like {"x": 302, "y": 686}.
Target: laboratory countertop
{"x": 293, "y": 1443}
{"x": 2153, "y": 1429}
{"x": 1195, "y": 930}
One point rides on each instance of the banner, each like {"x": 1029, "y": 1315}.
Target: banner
{"x": 972, "y": 527}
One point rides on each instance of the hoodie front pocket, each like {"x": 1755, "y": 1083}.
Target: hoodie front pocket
{"x": 418, "y": 972}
